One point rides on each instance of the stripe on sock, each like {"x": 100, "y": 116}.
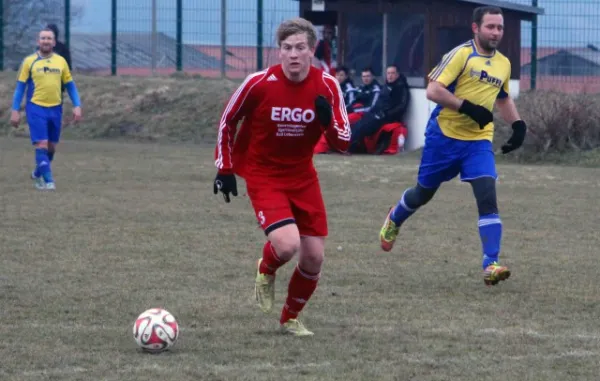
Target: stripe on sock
{"x": 489, "y": 221}
{"x": 403, "y": 202}
{"x": 308, "y": 275}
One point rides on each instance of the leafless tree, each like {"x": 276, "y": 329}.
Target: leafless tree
{"x": 23, "y": 19}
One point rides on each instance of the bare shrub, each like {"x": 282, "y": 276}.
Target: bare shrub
{"x": 557, "y": 124}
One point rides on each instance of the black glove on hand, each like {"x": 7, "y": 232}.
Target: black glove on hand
{"x": 226, "y": 184}
{"x": 516, "y": 139}
{"x": 478, "y": 113}
{"x": 323, "y": 110}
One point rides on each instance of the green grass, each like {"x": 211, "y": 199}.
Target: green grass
{"x": 133, "y": 226}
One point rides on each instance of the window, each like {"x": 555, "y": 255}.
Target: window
{"x": 450, "y": 37}
{"x": 406, "y": 42}
{"x": 364, "y": 42}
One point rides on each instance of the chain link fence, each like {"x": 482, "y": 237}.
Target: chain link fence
{"x": 212, "y": 38}
{"x": 231, "y": 38}
{"x": 562, "y": 51}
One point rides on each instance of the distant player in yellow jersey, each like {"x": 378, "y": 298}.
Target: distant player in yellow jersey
{"x": 466, "y": 84}
{"x": 42, "y": 76}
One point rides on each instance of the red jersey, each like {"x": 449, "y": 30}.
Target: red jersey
{"x": 280, "y": 128}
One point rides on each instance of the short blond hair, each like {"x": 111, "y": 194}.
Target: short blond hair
{"x": 294, "y": 26}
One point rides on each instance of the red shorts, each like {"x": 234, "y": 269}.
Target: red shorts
{"x": 279, "y": 207}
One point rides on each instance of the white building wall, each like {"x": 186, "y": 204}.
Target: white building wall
{"x": 419, "y": 110}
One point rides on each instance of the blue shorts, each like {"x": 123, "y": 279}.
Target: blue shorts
{"x": 444, "y": 158}
{"x": 44, "y": 122}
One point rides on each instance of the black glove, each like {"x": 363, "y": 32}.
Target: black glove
{"x": 478, "y": 113}
{"x": 323, "y": 110}
{"x": 516, "y": 139}
{"x": 226, "y": 184}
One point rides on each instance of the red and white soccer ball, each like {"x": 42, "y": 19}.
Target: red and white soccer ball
{"x": 155, "y": 330}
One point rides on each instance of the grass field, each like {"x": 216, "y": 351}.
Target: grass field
{"x": 133, "y": 226}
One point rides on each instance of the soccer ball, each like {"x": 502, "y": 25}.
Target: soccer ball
{"x": 155, "y": 330}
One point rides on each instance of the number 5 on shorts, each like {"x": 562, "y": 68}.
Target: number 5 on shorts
{"x": 261, "y": 218}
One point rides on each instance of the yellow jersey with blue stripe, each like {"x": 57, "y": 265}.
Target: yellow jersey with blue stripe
{"x": 477, "y": 77}
{"x": 45, "y": 77}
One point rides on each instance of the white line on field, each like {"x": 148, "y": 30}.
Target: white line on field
{"x": 556, "y": 356}
{"x": 441, "y": 330}
{"x": 410, "y": 358}
{"x": 536, "y": 334}
{"x": 54, "y": 371}
{"x": 230, "y": 367}
{"x": 420, "y": 358}
{"x": 157, "y": 367}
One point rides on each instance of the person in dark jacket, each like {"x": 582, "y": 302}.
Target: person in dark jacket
{"x": 390, "y": 107}
{"x": 60, "y": 48}
{"x": 395, "y": 96}
{"x": 348, "y": 89}
{"x": 367, "y": 94}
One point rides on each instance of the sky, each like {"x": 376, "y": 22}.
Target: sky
{"x": 565, "y": 23}
{"x": 201, "y": 18}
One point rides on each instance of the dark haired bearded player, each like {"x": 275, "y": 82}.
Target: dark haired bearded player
{"x": 466, "y": 84}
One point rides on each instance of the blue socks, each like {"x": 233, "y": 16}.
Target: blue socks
{"x": 42, "y": 161}
{"x": 401, "y": 212}
{"x": 490, "y": 231}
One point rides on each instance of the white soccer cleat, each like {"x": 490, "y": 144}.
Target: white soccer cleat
{"x": 294, "y": 327}
{"x": 50, "y": 186}
{"x": 38, "y": 182}
{"x": 264, "y": 289}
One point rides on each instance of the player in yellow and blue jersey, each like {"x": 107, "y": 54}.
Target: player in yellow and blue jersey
{"x": 466, "y": 84}
{"x": 41, "y": 77}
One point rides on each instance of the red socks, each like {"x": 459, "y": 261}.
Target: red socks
{"x": 301, "y": 287}
{"x": 270, "y": 261}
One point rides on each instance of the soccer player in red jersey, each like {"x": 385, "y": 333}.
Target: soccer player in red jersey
{"x": 285, "y": 110}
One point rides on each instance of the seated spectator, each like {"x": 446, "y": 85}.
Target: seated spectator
{"x": 367, "y": 94}
{"x": 348, "y": 89}
{"x": 380, "y": 129}
{"x": 389, "y": 108}
{"x": 396, "y": 95}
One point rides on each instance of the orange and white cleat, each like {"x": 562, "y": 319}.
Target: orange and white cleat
{"x": 389, "y": 232}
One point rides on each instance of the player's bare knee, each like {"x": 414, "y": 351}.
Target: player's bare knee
{"x": 51, "y": 147}
{"x": 286, "y": 247}
{"x": 311, "y": 261}
{"x": 43, "y": 144}
{"x": 312, "y": 257}
{"x": 285, "y": 241}
{"x": 312, "y": 251}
